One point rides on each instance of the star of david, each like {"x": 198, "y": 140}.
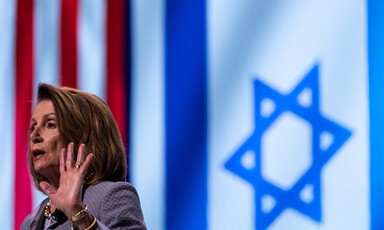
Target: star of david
{"x": 311, "y": 178}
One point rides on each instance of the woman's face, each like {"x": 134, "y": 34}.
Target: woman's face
{"x": 45, "y": 142}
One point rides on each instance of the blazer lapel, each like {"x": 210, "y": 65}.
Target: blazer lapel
{"x": 39, "y": 218}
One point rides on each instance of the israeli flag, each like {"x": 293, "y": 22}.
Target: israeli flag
{"x": 258, "y": 114}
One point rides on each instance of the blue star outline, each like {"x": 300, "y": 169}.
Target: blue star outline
{"x": 288, "y": 198}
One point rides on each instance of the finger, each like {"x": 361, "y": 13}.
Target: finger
{"x": 62, "y": 160}
{"x": 80, "y": 155}
{"x": 46, "y": 187}
{"x": 86, "y": 163}
{"x": 69, "y": 162}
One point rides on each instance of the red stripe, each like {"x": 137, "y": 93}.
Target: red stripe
{"x": 115, "y": 63}
{"x": 68, "y": 37}
{"x": 24, "y": 76}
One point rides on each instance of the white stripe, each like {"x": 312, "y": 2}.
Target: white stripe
{"x": 7, "y": 47}
{"x": 230, "y": 121}
{"x": 46, "y": 39}
{"x": 147, "y": 160}
{"x": 91, "y": 30}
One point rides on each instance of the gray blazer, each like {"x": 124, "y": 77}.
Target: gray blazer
{"x": 115, "y": 205}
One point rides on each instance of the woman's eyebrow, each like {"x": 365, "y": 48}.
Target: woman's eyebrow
{"x": 44, "y": 117}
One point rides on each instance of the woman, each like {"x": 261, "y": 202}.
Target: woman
{"x": 77, "y": 159}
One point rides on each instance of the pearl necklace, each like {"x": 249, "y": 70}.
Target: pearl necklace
{"x": 47, "y": 211}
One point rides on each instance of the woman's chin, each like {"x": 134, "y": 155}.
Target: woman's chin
{"x": 44, "y": 169}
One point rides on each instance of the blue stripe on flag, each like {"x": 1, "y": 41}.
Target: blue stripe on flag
{"x": 376, "y": 107}
{"x": 127, "y": 65}
{"x": 185, "y": 116}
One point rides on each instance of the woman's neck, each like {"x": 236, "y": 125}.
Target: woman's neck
{"x": 53, "y": 179}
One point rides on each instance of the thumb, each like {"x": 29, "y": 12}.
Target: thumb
{"x": 47, "y": 188}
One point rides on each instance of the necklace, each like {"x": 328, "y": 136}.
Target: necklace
{"x": 47, "y": 211}
{"x": 87, "y": 178}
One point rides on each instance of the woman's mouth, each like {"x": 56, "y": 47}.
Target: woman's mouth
{"x": 36, "y": 153}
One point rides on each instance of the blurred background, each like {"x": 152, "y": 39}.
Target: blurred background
{"x": 246, "y": 114}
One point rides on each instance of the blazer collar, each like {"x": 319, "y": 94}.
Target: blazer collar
{"x": 38, "y": 217}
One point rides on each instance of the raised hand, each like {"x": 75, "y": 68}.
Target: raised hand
{"x": 67, "y": 197}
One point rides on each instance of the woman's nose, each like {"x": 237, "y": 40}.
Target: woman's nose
{"x": 36, "y": 137}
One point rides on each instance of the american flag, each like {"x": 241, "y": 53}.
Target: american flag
{"x": 248, "y": 114}
{"x": 81, "y": 44}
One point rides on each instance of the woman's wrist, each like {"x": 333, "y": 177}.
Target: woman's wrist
{"x": 87, "y": 222}
{"x": 82, "y": 219}
{"x": 73, "y": 210}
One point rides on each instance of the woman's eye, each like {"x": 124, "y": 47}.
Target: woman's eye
{"x": 51, "y": 125}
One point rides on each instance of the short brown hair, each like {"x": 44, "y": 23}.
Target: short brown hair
{"x": 84, "y": 118}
